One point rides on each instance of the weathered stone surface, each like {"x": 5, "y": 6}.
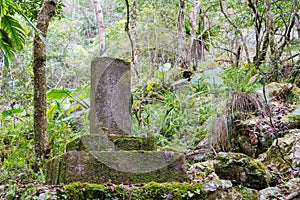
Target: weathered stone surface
{"x": 285, "y": 190}
{"x": 203, "y": 171}
{"x": 241, "y": 169}
{"x": 94, "y": 142}
{"x": 289, "y": 147}
{"x": 110, "y": 97}
{"x": 117, "y": 167}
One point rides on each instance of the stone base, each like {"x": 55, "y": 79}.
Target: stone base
{"x": 96, "y": 142}
{"x": 127, "y": 167}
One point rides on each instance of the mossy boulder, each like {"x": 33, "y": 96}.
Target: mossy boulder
{"x": 282, "y": 154}
{"x": 241, "y": 169}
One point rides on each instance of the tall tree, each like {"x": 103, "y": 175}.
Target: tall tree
{"x": 196, "y": 46}
{"x": 183, "y": 60}
{"x": 296, "y": 10}
{"x": 100, "y": 26}
{"x": 39, "y": 79}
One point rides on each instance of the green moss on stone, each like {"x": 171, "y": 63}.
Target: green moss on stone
{"x": 151, "y": 191}
{"x": 241, "y": 169}
{"x": 125, "y": 167}
{"x": 128, "y": 143}
{"x": 95, "y": 142}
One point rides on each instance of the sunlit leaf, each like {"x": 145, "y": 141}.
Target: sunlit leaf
{"x": 57, "y": 94}
{"x": 12, "y": 111}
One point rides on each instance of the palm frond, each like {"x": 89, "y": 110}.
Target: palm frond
{"x": 14, "y": 29}
{"x": 3, "y": 8}
{"x": 6, "y": 45}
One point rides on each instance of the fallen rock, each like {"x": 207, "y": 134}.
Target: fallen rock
{"x": 203, "y": 171}
{"x": 285, "y": 190}
{"x": 283, "y": 154}
{"x": 241, "y": 169}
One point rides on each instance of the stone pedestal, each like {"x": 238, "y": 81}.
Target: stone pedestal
{"x": 109, "y": 153}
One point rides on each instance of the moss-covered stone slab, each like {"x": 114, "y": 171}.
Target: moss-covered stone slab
{"x": 150, "y": 191}
{"x": 97, "y": 142}
{"x": 118, "y": 167}
{"x": 241, "y": 169}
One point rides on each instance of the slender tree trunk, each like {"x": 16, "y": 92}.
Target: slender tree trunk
{"x": 195, "y": 47}
{"x": 100, "y": 26}
{"x": 183, "y": 61}
{"x": 135, "y": 50}
{"x": 296, "y": 10}
{"x": 39, "y": 79}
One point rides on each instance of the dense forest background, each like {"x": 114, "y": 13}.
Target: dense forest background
{"x": 189, "y": 59}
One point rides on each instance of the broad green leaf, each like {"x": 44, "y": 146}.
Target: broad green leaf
{"x": 57, "y": 94}
{"x": 12, "y": 111}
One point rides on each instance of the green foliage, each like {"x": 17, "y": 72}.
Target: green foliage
{"x": 173, "y": 114}
{"x": 16, "y": 32}
{"x": 244, "y": 78}
{"x": 31, "y": 8}
{"x": 12, "y": 33}
{"x": 16, "y": 146}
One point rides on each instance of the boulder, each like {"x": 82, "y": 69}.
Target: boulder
{"x": 241, "y": 169}
{"x": 285, "y": 190}
{"x": 283, "y": 154}
{"x": 203, "y": 171}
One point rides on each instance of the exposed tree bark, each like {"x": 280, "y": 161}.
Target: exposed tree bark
{"x": 100, "y": 26}
{"x": 135, "y": 50}
{"x": 195, "y": 46}
{"x": 183, "y": 61}
{"x": 296, "y": 10}
{"x": 258, "y": 28}
{"x": 39, "y": 79}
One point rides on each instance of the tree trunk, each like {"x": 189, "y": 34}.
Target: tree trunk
{"x": 39, "y": 79}
{"x": 135, "y": 50}
{"x": 195, "y": 46}
{"x": 295, "y": 3}
{"x": 182, "y": 50}
{"x": 100, "y": 26}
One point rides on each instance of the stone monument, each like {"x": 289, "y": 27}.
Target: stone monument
{"x": 109, "y": 153}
